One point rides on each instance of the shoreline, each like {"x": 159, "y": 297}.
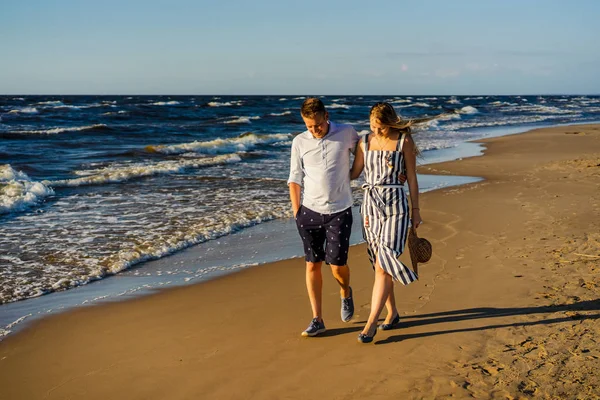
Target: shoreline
{"x": 149, "y": 276}
{"x": 481, "y": 255}
{"x": 182, "y": 267}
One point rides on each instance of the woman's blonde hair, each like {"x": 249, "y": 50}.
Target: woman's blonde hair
{"x": 385, "y": 115}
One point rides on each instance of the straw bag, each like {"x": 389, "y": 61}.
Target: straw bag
{"x": 420, "y": 249}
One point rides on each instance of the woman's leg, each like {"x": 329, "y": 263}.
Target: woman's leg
{"x": 390, "y": 305}
{"x": 381, "y": 291}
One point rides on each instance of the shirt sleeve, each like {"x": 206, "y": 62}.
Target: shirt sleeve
{"x": 354, "y": 140}
{"x": 296, "y": 172}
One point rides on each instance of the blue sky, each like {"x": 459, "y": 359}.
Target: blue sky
{"x": 299, "y": 47}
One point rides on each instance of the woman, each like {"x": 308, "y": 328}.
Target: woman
{"x": 386, "y": 154}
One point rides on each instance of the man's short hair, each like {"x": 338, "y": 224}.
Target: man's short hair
{"x": 311, "y": 107}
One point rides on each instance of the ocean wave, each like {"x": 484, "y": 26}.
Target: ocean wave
{"x": 225, "y": 104}
{"x": 240, "y": 120}
{"x": 67, "y": 106}
{"x": 542, "y": 109}
{"x": 150, "y": 225}
{"x": 468, "y": 110}
{"x": 503, "y": 103}
{"x": 55, "y": 131}
{"x": 243, "y": 142}
{"x": 336, "y": 105}
{"x": 50, "y": 103}
{"x": 515, "y": 120}
{"x": 165, "y": 103}
{"x": 121, "y": 173}
{"x": 18, "y": 192}
{"x": 24, "y": 110}
{"x": 281, "y": 114}
{"x": 419, "y": 104}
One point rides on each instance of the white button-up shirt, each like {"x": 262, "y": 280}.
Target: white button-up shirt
{"x": 322, "y": 168}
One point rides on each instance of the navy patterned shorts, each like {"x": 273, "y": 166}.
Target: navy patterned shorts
{"x": 329, "y": 230}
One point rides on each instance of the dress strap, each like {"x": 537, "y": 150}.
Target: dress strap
{"x": 365, "y": 139}
{"x": 400, "y": 142}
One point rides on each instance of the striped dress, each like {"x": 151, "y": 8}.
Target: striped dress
{"x": 384, "y": 211}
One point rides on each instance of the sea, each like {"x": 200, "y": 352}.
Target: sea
{"x": 105, "y": 197}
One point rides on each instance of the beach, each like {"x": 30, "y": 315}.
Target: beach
{"x": 507, "y": 308}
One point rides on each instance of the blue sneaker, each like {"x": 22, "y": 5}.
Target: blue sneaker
{"x": 347, "y": 308}
{"x": 314, "y": 328}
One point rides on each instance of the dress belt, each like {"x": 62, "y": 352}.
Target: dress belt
{"x": 374, "y": 194}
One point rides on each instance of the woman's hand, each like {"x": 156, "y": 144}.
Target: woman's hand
{"x": 416, "y": 218}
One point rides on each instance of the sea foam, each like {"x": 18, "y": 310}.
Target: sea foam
{"x": 18, "y": 192}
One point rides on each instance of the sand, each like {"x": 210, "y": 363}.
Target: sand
{"x": 507, "y": 308}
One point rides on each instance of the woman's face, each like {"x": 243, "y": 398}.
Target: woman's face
{"x": 379, "y": 129}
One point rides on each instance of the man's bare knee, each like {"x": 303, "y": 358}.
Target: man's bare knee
{"x": 313, "y": 267}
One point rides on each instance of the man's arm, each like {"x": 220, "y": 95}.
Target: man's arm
{"x": 295, "y": 196}
{"x": 295, "y": 179}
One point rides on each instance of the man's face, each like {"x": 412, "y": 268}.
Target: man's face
{"x": 318, "y": 125}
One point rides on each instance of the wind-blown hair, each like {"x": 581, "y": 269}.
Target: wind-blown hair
{"x": 385, "y": 115}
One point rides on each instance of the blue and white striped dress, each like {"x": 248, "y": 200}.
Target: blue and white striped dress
{"x": 385, "y": 211}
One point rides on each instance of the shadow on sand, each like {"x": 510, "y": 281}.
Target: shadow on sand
{"x": 491, "y": 312}
{"x": 478, "y": 313}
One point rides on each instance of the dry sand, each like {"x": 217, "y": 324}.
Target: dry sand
{"x": 507, "y": 308}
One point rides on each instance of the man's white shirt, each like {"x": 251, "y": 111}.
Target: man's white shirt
{"x": 322, "y": 168}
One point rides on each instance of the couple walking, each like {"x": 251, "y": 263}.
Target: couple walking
{"x": 321, "y": 197}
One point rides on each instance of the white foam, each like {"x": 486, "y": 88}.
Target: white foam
{"x": 24, "y": 110}
{"x": 18, "y": 192}
{"x": 50, "y": 103}
{"x": 55, "y": 131}
{"x": 220, "y": 146}
{"x": 122, "y": 173}
{"x": 8, "y": 328}
{"x": 240, "y": 120}
{"x": 416, "y": 105}
{"x": 281, "y": 114}
{"x": 225, "y": 104}
{"x": 166, "y": 103}
{"x": 468, "y": 110}
{"x": 335, "y": 105}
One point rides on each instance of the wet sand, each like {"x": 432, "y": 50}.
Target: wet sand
{"x": 507, "y": 308}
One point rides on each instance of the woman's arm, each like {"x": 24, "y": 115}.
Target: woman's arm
{"x": 359, "y": 161}
{"x": 410, "y": 158}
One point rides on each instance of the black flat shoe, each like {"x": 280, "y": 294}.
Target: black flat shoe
{"x": 387, "y": 327}
{"x": 362, "y": 338}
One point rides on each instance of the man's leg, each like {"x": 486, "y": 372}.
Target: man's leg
{"x": 314, "y": 285}
{"x": 338, "y": 228}
{"x": 341, "y": 273}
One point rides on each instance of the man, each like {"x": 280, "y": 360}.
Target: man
{"x": 320, "y": 165}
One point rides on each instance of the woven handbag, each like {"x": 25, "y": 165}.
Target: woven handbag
{"x": 420, "y": 249}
